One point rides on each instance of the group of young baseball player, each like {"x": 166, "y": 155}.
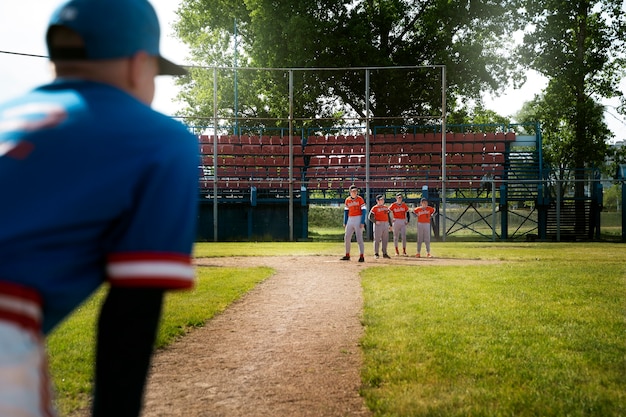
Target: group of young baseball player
{"x": 394, "y": 217}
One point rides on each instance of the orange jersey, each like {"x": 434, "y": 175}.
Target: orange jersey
{"x": 423, "y": 213}
{"x": 355, "y": 206}
{"x": 381, "y": 213}
{"x": 399, "y": 211}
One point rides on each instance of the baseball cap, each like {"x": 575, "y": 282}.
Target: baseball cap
{"x": 398, "y": 194}
{"x": 379, "y": 197}
{"x": 110, "y": 29}
{"x": 353, "y": 187}
{"x": 423, "y": 199}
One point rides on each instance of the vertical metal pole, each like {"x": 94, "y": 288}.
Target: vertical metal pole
{"x": 493, "y": 210}
{"x": 623, "y": 185}
{"x": 215, "y": 177}
{"x": 443, "y": 151}
{"x": 558, "y": 210}
{"x": 236, "y": 132}
{"x": 291, "y": 155}
{"x": 367, "y": 146}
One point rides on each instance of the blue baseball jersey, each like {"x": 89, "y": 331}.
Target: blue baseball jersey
{"x": 96, "y": 186}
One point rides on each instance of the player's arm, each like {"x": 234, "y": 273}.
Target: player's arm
{"x": 372, "y": 216}
{"x": 127, "y": 330}
{"x": 363, "y": 213}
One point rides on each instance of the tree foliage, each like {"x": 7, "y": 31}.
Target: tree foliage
{"x": 489, "y": 120}
{"x": 471, "y": 38}
{"x": 579, "y": 46}
{"x": 554, "y": 110}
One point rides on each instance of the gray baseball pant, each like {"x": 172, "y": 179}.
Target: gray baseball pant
{"x": 381, "y": 234}
{"x": 423, "y": 236}
{"x": 399, "y": 233}
{"x": 354, "y": 226}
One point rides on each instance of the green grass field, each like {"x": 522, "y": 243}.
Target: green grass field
{"x": 538, "y": 331}
{"x": 540, "y": 334}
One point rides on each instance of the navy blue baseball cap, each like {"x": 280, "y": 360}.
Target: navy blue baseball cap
{"x": 110, "y": 29}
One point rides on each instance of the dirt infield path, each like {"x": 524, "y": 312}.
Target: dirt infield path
{"x": 288, "y": 348}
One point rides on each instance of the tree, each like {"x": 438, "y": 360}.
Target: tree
{"x": 554, "y": 110}
{"x": 579, "y": 46}
{"x": 469, "y": 37}
{"x": 478, "y": 115}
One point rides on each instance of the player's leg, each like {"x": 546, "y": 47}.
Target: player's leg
{"x": 377, "y": 237}
{"x": 347, "y": 237}
{"x": 420, "y": 238}
{"x": 359, "y": 236}
{"x": 385, "y": 238}
{"x": 403, "y": 237}
{"x": 397, "y": 227}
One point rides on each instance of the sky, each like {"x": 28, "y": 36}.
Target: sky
{"x": 22, "y": 30}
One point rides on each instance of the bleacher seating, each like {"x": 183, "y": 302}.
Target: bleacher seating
{"x": 400, "y": 162}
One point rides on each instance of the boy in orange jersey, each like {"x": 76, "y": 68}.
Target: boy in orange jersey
{"x": 354, "y": 222}
{"x": 424, "y": 213}
{"x": 400, "y": 219}
{"x": 381, "y": 217}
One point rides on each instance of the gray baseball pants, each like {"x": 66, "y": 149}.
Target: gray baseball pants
{"x": 353, "y": 226}
{"x": 381, "y": 234}
{"x": 399, "y": 233}
{"x": 423, "y": 236}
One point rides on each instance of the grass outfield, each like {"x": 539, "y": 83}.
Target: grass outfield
{"x": 543, "y": 332}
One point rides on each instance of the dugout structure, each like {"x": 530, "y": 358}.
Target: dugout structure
{"x": 259, "y": 178}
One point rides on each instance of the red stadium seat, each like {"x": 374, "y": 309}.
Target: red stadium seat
{"x": 419, "y": 137}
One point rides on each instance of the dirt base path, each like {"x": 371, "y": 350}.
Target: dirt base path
{"x": 288, "y": 348}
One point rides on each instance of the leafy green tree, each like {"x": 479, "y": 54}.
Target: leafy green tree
{"x": 616, "y": 158}
{"x": 478, "y": 115}
{"x": 469, "y": 37}
{"x": 579, "y": 46}
{"x": 554, "y": 111}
